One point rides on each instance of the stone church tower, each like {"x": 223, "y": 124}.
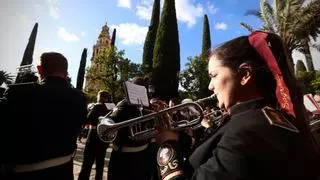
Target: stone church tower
{"x": 94, "y": 85}
{"x": 103, "y": 41}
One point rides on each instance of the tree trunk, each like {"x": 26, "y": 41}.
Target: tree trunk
{"x": 290, "y": 62}
{"x": 307, "y": 53}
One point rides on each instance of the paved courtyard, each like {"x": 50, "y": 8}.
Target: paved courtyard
{"x": 79, "y": 158}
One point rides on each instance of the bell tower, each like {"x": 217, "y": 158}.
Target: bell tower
{"x": 103, "y": 41}
{"x": 94, "y": 84}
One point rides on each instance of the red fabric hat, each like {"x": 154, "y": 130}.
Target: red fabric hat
{"x": 258, "y": 41}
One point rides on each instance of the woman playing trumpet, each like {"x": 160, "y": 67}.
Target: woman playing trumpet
{"x": 265, "y": 135}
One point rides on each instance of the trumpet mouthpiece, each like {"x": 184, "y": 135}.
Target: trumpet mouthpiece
{"x": 213, "y": 96}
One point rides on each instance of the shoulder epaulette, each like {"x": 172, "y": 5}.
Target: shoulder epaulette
{"x": 275, "y": 118}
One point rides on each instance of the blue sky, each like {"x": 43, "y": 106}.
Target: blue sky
{"x": 68, "y": 26}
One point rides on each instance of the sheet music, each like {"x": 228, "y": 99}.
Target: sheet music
{"x": 110, "y": 106}
{"x": 136, "y": 94}
{"x": 310, "y": 104}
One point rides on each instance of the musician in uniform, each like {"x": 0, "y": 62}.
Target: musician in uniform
{"x": 130, "y": 159}
{"x": 265, "y": 135}
{"x": 43, "y": 121}
{"x": 95, "y": 149}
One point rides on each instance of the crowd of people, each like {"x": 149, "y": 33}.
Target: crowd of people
{"x": 259, "y": 130}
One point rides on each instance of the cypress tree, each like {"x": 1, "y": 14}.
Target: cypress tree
{"x": 81, "y": 70}
{"x": 300, "y": 67}
{"x": 115, "y": 70}
{"x": 206, "y": 39}
{"x": 150, "y": 39}
{"x": 28, "y": 75}
{"x": 204, "y": 78}
{"x": 166, "y": 54}
{"x": 113, "y": 38}
{"x": 28, "y": 52}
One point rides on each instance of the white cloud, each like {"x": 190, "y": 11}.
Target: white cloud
{"x": 188, "y": 12}
{"x": 212, "y": 8}
{"x": 144, "y": 11}
{"x": 221, "y": 26}
{"x": 130, "y": 33}
{"x": 124, "y": 3}
{"x": 82, "y": 33}
{"x": 24, "y": 21}
{"x": 67, "y": 36}
{"x": 54, "y": 8}
{"x": 37, "y": 5}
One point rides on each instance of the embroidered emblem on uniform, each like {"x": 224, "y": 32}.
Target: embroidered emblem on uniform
{"x": 165, "y": 159}
{"x": 165, "y": 154}
{"x": 275, "y": 118}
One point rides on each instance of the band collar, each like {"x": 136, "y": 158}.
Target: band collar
{"x": 250, "y": 104}
{"x": 54, "y": 80}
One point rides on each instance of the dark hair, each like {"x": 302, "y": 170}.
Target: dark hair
{"x": 237, "y": 51}
{"x": 103, "y": 96}
{"x": 53, "y": 62}
{"x": 139, "y": 81}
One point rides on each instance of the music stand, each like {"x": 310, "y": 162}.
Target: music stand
{"x": 136, "y": 94}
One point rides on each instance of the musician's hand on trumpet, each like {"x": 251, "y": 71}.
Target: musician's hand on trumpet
{"x": 163, "y": 126}
{"x": 164, "y": 121}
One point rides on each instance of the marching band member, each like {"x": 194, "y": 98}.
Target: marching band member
{"x": 95, "y": 149}
{"x": 265, "y": 135}
{"x": 39, "y": 137}
{"x": 130, "y": 159}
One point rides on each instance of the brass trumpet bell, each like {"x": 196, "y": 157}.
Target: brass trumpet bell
{"x": 107, "y": 129}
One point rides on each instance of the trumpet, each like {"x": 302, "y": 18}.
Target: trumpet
{"x": 107, "y": 129}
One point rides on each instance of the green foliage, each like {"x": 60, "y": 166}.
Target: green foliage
{"x": 306, "y": 79}
{"x": 193, "y": 79}
{"x": 150, "y": 39}
{"x": 310, "y": 81}
{"x": 185, "y": 94}
{"x": 188, "y": 77}
{"x": 300, "y": 66}
{"x": 28, "y": 52}
{"x": 26, "y": 77}
{"x": 81, "y": 70}
{"x": 315, "y": 83}
{"x": 295, "y": 21}
{"x": 113, "y": 38}
{"x": 28, "y": 58}
{"x": 206, "y": 39}
{"x": 107, "y": 65}
{"x": 247, "y": 26}
{"x": 202, "y": 74}
{"x": 5, "y": 77}
{"x": 305, "y": 49}
{"x": 166, "y": 54}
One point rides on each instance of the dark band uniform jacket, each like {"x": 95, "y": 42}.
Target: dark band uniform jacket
{"x": 95, "y": 149}
{"x": 98, "y": 110}
{"x": 255, "y": 142}
{"x": 42, "y": 121}
{"x": 139, "y": 164}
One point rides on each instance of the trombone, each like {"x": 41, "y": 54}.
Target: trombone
{"x": 107, "y": 129}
